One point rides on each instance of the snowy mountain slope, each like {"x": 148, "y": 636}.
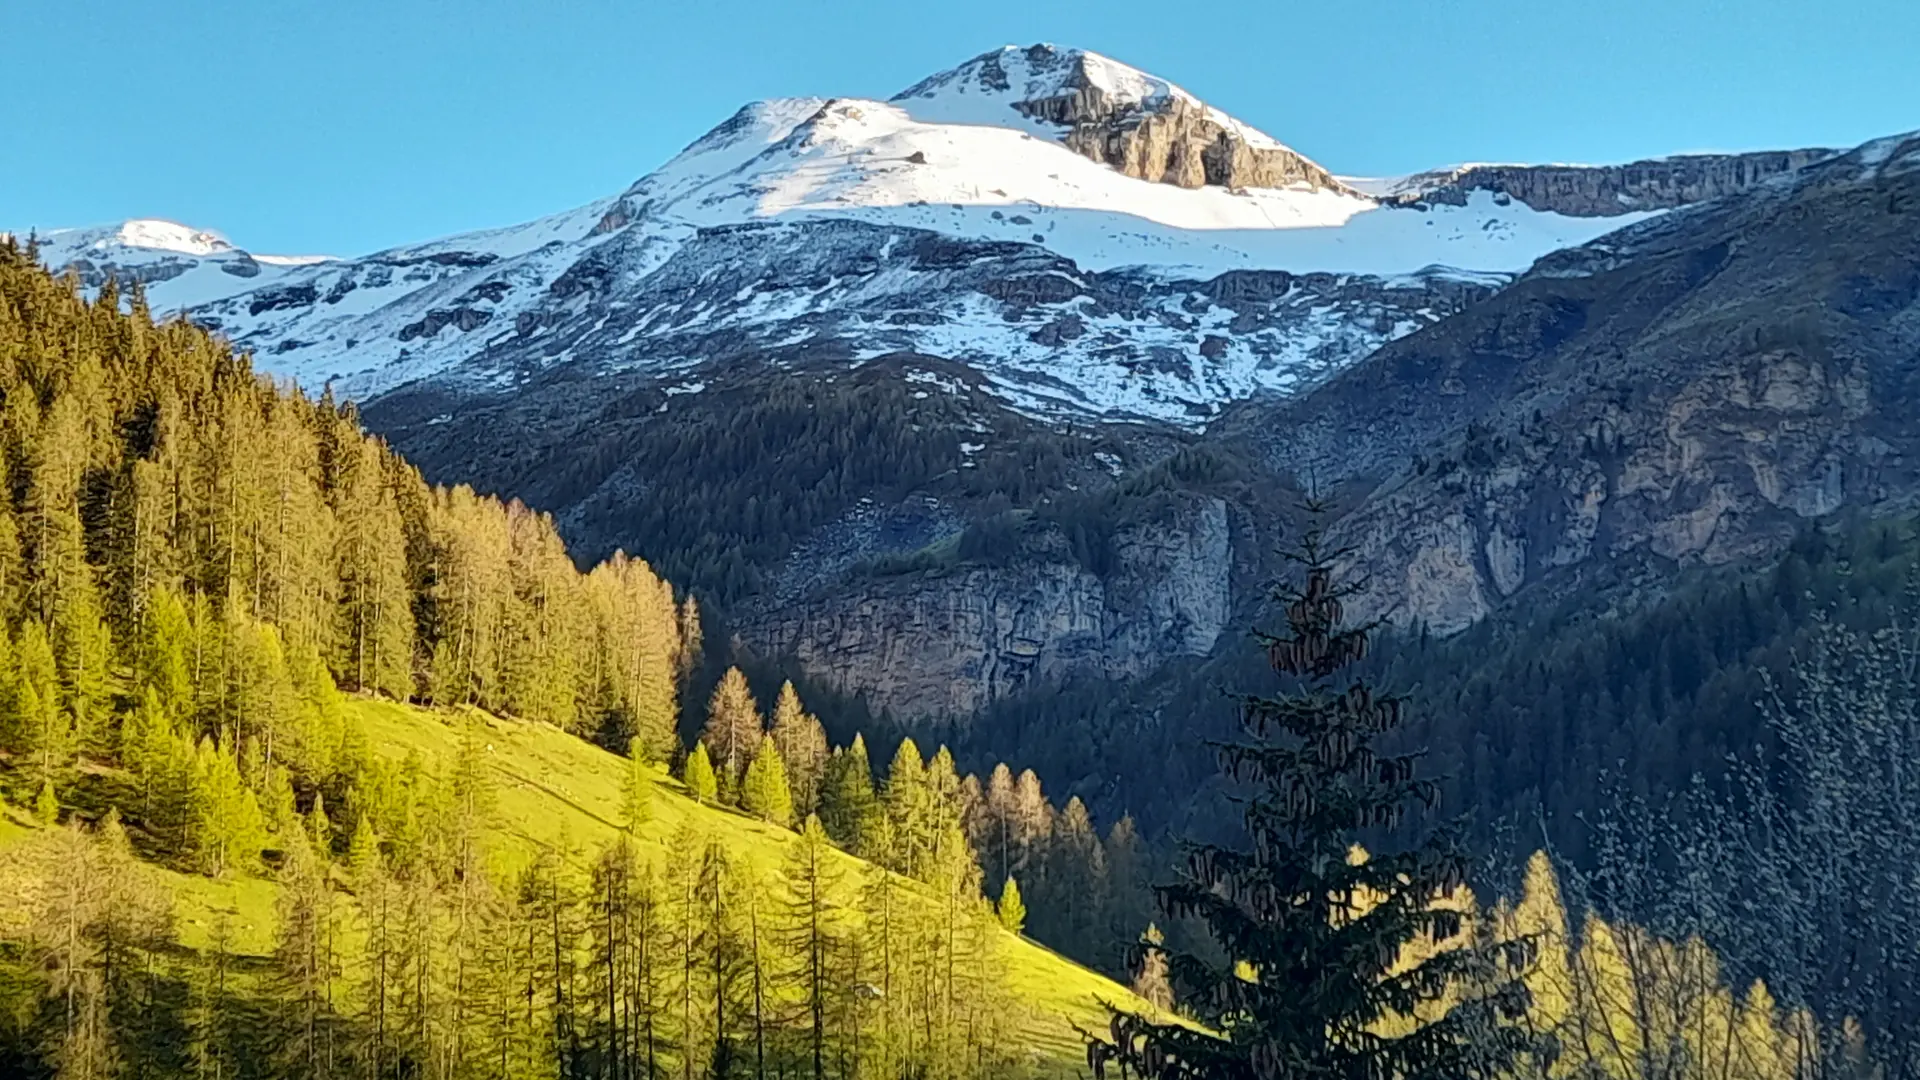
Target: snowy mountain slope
{"x": 1052, "y": 217}
{"x": 180, "y": 267}
{"x": 875, "y": 162}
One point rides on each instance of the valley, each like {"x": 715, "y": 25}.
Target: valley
{"x": 1049, "y": 415}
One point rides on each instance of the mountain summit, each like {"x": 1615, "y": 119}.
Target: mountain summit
{"x": 179, "y": 265}
{"x": 1090, "y": 239}
{"x": 1142, "y": 125}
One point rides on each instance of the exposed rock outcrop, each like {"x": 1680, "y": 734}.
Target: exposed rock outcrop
{"x": 1183, "y": 143}
{"x": 1692, "y": 390}
{"x": 1141, "y": 125}
{"x": 94, "y": 273}
{"x": 943, "y": 644}
{"x": 1607, "y": 190}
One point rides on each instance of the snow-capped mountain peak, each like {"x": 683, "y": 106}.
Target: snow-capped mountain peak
{"x": 1012, "y": 82}
{"x": 179, "y": 265}
{"x": 152, "y": 234}
{"x": 1138, "y": 123}
{"x": 1045, "y": 87}
{"x": 1092, "y": 238}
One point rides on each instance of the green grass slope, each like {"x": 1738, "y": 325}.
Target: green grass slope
{"x": 557, "y": 792}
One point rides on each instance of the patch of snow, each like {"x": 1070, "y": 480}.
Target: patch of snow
{"x": 1872, "y": 156}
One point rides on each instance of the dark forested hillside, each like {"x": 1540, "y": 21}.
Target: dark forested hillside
{"x": 721, "y": 485}
{"x": 1534, "y": 714}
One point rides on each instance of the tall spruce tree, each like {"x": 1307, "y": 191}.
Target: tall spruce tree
{"x": 1315, "y": 938}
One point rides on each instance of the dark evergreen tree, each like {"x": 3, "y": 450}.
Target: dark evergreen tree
{"x": 1315, "y": 935}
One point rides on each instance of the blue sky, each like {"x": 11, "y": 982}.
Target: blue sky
{"x": 342, "y": 126}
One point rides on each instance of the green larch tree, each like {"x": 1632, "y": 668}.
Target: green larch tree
{"x": 697, "y": 774}
{"x": 732, "y": 732}
{"x": 850, "y": 810}
{"x": 1011, "y": 909}
{"x": 910, "y": 812}
{"x": 764, "y": 792}
{"x": 227, "y": 830}
{"x": 637, "y": 792}
{"x": 42, "y": 730}
{"x": 161, "y": 664}
{"x": 306, "y": 964}
{"x": 803, "y": 747}
{"x": 46, "y": 805}
{"x": 83, "y": 1046}
{"x": 813, "y": 936}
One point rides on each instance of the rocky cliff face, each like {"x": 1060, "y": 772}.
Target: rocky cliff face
{"x": 1607, "y": 190}
{"x": 1722, "y": 466}
{"x": 1143, "y": 126}
{"x": 1692, "y": 390}
{"x": 1181, "y": 142}
{"x": 944, "y": 643}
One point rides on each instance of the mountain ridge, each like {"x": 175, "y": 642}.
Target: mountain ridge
{"x": 1058, "y": 150}
{"x": 1692, "y": 391}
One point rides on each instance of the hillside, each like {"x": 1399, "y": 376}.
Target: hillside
{"x": 196, "y": 561}
{"x": 1692, "y": 390}
{"x": 560, "y": 795}
{"x": 1689, "y": 391}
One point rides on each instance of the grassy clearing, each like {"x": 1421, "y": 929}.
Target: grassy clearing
{"x": 558, "y": 792}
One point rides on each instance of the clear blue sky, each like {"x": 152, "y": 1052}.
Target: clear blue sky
{"x": 343, "y": 126}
